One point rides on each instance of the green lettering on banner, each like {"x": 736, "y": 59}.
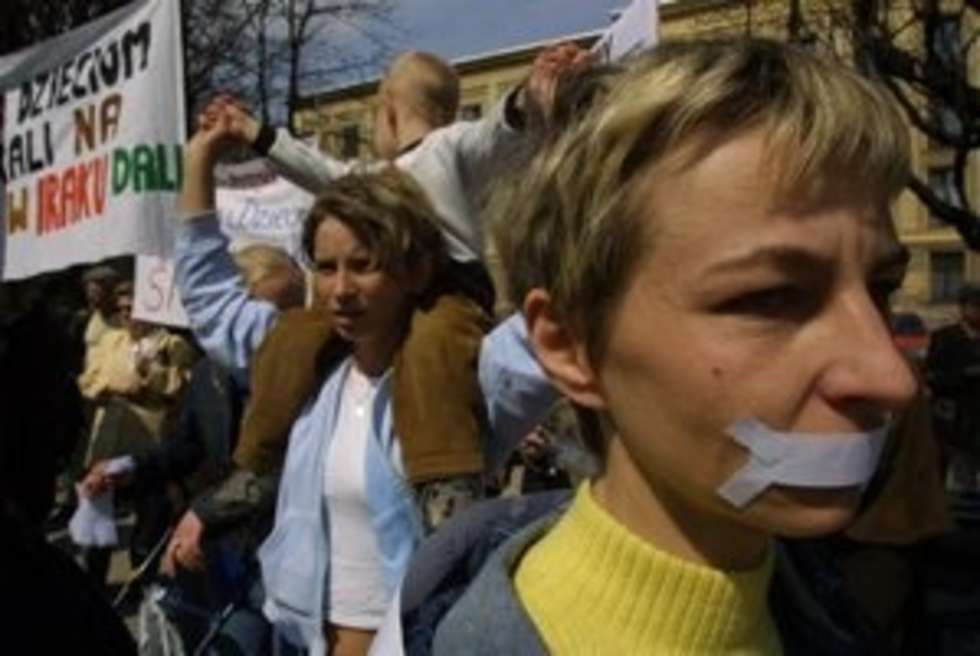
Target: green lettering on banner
{"x": 168, "y": 183}
{"x": 146, "y": 168}
{"x": 121, "y": 169}
{"x": 145, "y": 177}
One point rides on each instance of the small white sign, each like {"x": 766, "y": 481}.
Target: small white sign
{"x": 157, "y": 300}
{"x": 634, "y": 30}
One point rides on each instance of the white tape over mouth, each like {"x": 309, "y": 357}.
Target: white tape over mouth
{"x": 807, "y": 460}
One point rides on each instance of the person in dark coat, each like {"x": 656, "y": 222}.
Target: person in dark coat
{"x": 47, "y": 604}
{"x": 953, "y": 375}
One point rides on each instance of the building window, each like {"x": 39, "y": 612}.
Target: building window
{"x": 942, "y": 182}
{"x": 471, "y": 112}
{"x": 350, "y": 141}
{"x": 946, "y": 275}
{"x": 944, "y": 42}
{"x": 945, "y": 56}
{"x": 946, "y": 121}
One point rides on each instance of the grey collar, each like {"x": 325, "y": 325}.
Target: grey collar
{"x": 489, "y": 619}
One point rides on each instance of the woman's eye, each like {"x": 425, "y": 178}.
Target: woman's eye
{"x": 779, "y": 301}
{"x": 361, "y": 265}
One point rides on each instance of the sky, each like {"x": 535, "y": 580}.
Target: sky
{"x": 456, "y": 29}
{"x": 460, "y": 28}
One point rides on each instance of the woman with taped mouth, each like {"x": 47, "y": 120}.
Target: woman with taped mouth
{"x": 704, "y": 261}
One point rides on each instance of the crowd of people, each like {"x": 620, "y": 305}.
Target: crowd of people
{"x": 721, "y": 445}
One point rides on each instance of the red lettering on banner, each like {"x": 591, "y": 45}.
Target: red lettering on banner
{"x": 69, "y": 207}
{"x": 47, "y": 203}
{"x": 81, "y": 197}
{"x": 75, "y": 193}
{"x": 100, "y": 175}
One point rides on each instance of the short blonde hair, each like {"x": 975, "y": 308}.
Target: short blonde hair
{"x": 256, "y": 261}
{"x": 426, "y": 84}
{"x": 571, "y": 223}
{"x": 388, "y": 212}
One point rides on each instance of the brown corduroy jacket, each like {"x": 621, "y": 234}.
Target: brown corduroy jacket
{"x": 437, "y": 407}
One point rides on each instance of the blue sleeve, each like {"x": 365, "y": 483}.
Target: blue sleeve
{"x": 227, "y": 322}
{"x": 517, "y": 392}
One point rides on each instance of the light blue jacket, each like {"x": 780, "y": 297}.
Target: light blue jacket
{"x": 294, "y": 557}
{"x": 230, "y": 325}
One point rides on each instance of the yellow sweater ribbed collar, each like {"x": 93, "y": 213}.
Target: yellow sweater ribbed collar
{"x": 592, "y": 587}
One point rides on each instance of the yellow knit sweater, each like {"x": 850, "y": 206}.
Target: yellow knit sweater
{"x": 592, "y": 587}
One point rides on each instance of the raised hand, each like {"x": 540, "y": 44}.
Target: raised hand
{"x": 222, "y": 124}
{"x": 233, "y": 118}
{"x": 550, "y": 64}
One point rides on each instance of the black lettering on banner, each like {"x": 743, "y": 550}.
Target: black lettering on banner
{"x": 40, "y": 84}
{"x": 31, "y": 97}
{"x": 109, "y": 64}
{"x": 66, "y": 81}
{"x": 137, "y": 38}
{"x": 77, "y": 90}
{"x": 52, "y": 88}
{"x": 28, "y": 152}
{"x": 88, "y": 73}
{"x": 24, "y": 102}
{"x": 16, "y": 152}
{"x": 93, "y": 72}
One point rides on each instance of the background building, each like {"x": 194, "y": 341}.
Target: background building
{"x": 342, "y": 119}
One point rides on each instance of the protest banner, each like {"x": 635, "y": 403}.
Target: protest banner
{"x": 635, "y": 29}
{"x": 254, "y": 206}
{"x": 90, "y": 157}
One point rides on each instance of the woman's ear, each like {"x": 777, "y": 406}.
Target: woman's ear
{"x": 389, "y": 113}
{"x": 562, "y": 354}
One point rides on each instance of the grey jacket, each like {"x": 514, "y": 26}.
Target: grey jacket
{"x": 459, "y": 596}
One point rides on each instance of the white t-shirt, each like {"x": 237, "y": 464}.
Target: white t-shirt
{"x": 358, "y": 596}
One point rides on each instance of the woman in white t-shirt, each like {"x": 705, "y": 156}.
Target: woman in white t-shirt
{"x": 354, "y": 500}
{"x": 345, "y": 494}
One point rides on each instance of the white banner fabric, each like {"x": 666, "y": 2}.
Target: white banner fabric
{"x": 90, "y": 152}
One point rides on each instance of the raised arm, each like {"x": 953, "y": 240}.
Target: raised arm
{"x": 226, "y": 320}
{"x": 495, "y": 143}
{"x": 299, "y": 163}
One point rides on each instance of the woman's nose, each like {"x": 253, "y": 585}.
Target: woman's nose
{"x": 868, "y": 370}
{"x": 344, "y": 285}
